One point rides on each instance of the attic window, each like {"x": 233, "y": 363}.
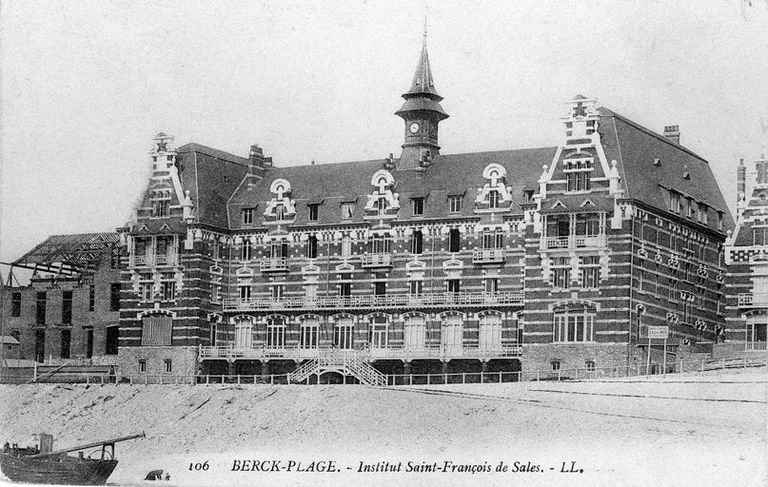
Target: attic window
{"x": 247, "y": 215}
{"x": 686, "y": 175}
{"x": 418, "y": 206}
{"x": 314, "y": 211}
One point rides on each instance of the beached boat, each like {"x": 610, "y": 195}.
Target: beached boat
{"x": 43, "y": 465}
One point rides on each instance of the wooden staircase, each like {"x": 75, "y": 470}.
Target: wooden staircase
{"x": 345, "y": 362}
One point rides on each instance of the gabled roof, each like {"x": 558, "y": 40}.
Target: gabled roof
{"x": 70, "y": 254}
{"x": 210, "y": 176}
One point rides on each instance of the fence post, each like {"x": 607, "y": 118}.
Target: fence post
{"x": 271, "y": 379}
{"x": 463, "y": 377}
{"x": 445, "y": 378}
{"x": 702, "y": 365}
{"x": 238, "y": 379}
{"x": 428, "y": 376}
{"x": 538, "y": 376}
{"x": 499, "y": 377}
{"x": 410, "y": 379}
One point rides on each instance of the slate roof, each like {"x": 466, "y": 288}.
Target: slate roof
{"x": 633, "y": 147}
{"x": 211, "y": 176}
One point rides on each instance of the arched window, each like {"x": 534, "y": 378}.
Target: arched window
{"x": 574, "y": 323}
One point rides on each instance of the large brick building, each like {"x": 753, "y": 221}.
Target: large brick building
{"x": 522, "y": 259}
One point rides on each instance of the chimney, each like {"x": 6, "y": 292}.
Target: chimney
{"x": 672, "y": 132}
{"x": 257, "y": 163}
{"x": 741, "y": 189}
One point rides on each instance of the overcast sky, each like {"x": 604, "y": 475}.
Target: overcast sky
{"x": 86, "y": 85}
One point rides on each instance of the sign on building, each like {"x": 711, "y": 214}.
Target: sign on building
{"x": 658, "y": 332}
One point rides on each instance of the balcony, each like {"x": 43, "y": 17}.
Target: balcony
{"x": 150, "y": 260}
{"x": 377, "y": 260}
{"x": 753, "y": 300}
{"x": 274, "y": 264}
{"x": 573, "y": 242}
{"x": 368, "y": 354}
{"x": 487, "y": 256}
{"x": 388, "y": 301}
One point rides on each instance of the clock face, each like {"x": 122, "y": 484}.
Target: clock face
{"x": 414, "y": 127}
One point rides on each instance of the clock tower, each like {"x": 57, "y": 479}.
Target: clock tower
{"x": 422, "y": 113}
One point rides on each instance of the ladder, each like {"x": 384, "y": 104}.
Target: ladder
{"x": 347, "y": 362}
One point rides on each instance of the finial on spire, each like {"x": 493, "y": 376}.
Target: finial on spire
{"x": 425, "y": 31}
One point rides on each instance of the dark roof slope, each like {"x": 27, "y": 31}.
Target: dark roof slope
{"x": 454, "y": 174}
{"x": 636, "y": 147}
{"x": 211, "y": 176}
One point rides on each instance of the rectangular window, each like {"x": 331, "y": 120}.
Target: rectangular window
{"x": 146, "y": 287}
{"x": 719, "y": 220}
{"x": 454, "y": 286}
{"x": 493, "y": 239}
{"x": 415, "y": 288}
{"x": 312, "y": 247}
{"x": 309, "y": 334}
{"x": 417, "y": 242}
{"x": 215, "y": 293}
{"x": 168, "y": 290}
{"x": 561, "y": 272}
{"x": 703, "y": 213}
{"x": 346, "y": 246}
{"x": 89, "y": 343}
{"x": 380, "y": 245}
{"x": 574, "y": 325}
{"x": 16, "y": 304}
{"x": 276, "y": 291}
{"x": 418, "y": 206}
{"x": 314, "y": 212}
{"x": 347, "y": 211}
{"x": 493, "y": 199}
{"x": 380, "y": 288}
{"x": 114, "y": 296}
{"x": 491, "y": 285}
{"x": 66, "y": 308}
{"x": 161, "y": 203}
{"x": 454, "y": 240}
{"x": 590, "y": 365}
{"x": 555, "y": 365}
{"x": 244, "y": 291}
{"x": 91, "y": 297}
{"x": 142, "y": 366}
{"x": 246, "y": 250}
{"x": 590, "y": 272}
{"x": 168, "y": 366}
{"x": 345, "y": 286}
{"x": 40, "y": 310}
{"x": 454, "y": 204}
{"x": 279, "y": 212}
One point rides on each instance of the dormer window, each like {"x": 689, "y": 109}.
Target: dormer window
{"x": 454, "y": 204}
{"x": 381, "y": 205}
{"x": 674, "y": 201}
{"x": 347, "y": 211}
{"x": 279, "y": 212}
{"x": 493, "y": 199}
{"x": 314, "y": 211}
{"x": 703, "y": 213}
{"x": 719, "y": 220}
{"x": 247, "y": 215}
{"x": 418, "y": 206}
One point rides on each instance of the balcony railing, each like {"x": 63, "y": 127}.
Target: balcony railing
{"x": 487, "y": 256}
{"x": 377, "y": 260}
{"x": 272, "y": 264}
{"x": 298, "y": 353}
{"x": 149, "y": 260}
{"x": 573, "y": 242}
{"x": 753, "y": 300}
{"x": 434, "y": 300}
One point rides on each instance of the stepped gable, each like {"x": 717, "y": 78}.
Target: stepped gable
{"x": 448, "y": 175}
{"x": 636, "y": 147}
{"x": 210, "y": 176}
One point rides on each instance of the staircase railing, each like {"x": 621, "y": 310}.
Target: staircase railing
{"x": 304, "y": 371}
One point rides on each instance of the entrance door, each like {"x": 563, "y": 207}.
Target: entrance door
{"x": 415, "y": 331}
{"x": 452, "y": 335}
{"x": 276, "y": 334}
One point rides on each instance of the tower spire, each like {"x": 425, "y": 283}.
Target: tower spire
{"x": 422, "y": 113}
